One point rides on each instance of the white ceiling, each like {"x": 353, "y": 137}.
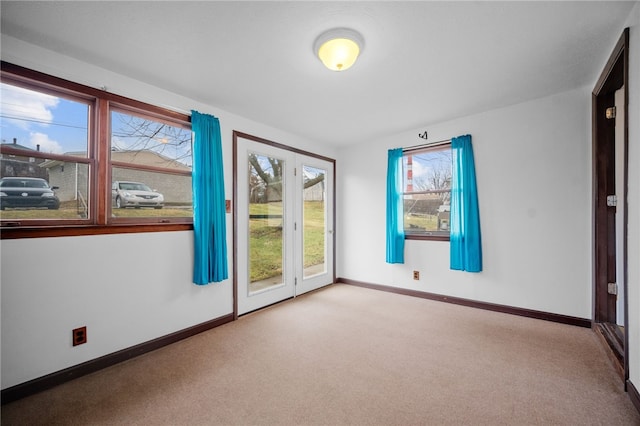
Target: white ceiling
{"x": 423, "y": 62}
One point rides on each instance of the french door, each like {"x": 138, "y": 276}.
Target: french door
{"x": 283, "y": 222}
{"x": 610, "y": 206}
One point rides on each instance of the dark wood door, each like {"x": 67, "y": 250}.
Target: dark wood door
{"x": 613, "y": 77}
{"x": 605, "y": 214}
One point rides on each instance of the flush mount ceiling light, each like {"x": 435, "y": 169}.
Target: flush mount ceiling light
{"x": 338, "y": 48}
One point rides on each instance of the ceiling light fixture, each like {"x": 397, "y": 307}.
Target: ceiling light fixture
{"x": 338, "y": 48}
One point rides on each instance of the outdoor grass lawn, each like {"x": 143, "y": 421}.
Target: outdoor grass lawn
{"x": 265, "y": 241}
{"x": 429, "y": 222}
{"x": 151, "y": 212}
{"x": 70, "y": 212}
{"x": 23, "y": 214}
{"x": 314, "y": 232}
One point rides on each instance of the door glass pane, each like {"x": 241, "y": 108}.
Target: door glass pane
{"x": 266, "y": 245}
{"x": 314, "y": 221}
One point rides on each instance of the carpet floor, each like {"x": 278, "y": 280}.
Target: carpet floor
{"x": 346, "y": 355}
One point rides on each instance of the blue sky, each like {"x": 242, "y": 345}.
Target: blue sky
{"x": 425, "y": 164}
{"x": 56, "y": 124}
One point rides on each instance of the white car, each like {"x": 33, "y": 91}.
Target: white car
{"x": 135, "y": 194}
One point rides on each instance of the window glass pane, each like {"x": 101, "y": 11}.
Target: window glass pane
{"x": 53, "y": 189}
{"x": 160, "y": 149}
{"x": 427, "y": 191}
{"x": 140, "y": 140}
{"x": 143, "y": 193}
{"x": 35, "y": 121}
{"x": 425, "y": 215}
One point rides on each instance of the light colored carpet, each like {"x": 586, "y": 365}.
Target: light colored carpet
{"x": 348, "y": 355}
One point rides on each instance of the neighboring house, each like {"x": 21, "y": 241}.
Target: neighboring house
{"x": 21, "y": 165}
{"x": 71, "y": 178}
{"x": 423, "y": 203}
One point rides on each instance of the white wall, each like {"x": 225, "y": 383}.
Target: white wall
{"x": 128, "y": 288}
{"x": 534, "y": 184}
{"x": 634, "y": 197}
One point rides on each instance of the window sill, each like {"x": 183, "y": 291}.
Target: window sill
{"x": 81, "y": 230}
{"x": 427, "y": 237}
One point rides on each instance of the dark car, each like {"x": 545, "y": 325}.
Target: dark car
{"x": 26, "y": 192}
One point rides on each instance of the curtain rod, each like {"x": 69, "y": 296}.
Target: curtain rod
{"x": 426, "y": 145}
{"x": 176, "y": 109}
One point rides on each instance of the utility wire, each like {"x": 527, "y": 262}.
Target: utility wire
{"x": 42, "y": 122}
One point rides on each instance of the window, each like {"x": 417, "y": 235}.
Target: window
{"x": 150, "y": 168}
{"x": 427, "y": 192}
{"x": 107, "y": 162}
{"x": 42, "y": 130}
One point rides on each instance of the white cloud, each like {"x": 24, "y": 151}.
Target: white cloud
{"x": 25, "y": 107}
{"x": 46, "y": 144}
{"x": 420, "y": 169}
{"x": 120, "y": 143}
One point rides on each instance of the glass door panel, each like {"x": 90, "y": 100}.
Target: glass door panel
{"x": 264, "y": 231}
{"x": 314, "y": 220}
{"x": 266, "y": 246}
{"x": 315, "y": 213}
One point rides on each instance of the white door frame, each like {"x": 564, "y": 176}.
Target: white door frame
{"x": 293, "y": 257}
{"x": 320, "y": 279}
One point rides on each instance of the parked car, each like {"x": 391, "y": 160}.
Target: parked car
{"x": 27, "y": 192}
{"x": 135, "y": 194}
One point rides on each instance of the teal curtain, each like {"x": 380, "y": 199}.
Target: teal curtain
{"x": 395, "y": 210}
{"x": 465, "y": 243}
{"x": 209, "y": 221}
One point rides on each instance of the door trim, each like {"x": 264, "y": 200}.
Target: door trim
{"x": 236, "y": 135}
{"x": 614, "y": 75}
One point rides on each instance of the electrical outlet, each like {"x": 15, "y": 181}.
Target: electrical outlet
{"x": 79, "y": 336}
{"x": 416, "y": 275}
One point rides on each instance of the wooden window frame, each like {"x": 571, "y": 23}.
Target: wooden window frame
{"x": 98, "y": 159}
{"x": 425, "y": 236}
